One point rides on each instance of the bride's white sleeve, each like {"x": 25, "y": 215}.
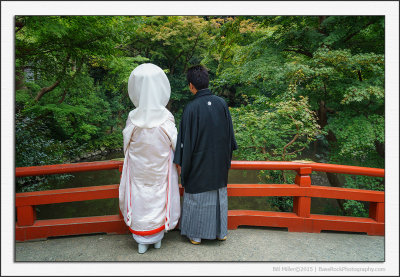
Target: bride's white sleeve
{"x": 169, "y": 129}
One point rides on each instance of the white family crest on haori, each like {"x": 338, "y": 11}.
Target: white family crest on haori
{"x": 149, "y": 197}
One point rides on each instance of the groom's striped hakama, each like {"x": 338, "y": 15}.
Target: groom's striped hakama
{"x": 205, "y": 215}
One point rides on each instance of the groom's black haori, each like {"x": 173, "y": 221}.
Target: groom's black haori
{"x": 205, "y": 143}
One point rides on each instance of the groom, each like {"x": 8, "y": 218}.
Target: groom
{"x": 203, "y": 156}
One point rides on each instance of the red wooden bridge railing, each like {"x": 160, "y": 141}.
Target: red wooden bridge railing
{"x": 300, "y": 220}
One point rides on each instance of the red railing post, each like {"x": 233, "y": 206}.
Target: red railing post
{"x": 302, "y": 204}
{"x": 26, "y": 215}
{"x": 377, "y": 211}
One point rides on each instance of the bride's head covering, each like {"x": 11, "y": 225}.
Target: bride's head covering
{"x": 149, "y": 90}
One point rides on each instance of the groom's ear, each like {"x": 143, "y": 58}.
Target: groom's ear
{"x": 191, "y": 87}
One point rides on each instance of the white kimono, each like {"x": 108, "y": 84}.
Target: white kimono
{"x": 149, "y": 194}
{"x": 149, "y": 197}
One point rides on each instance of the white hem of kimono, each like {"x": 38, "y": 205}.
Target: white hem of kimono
{"x": 150, "y": 239}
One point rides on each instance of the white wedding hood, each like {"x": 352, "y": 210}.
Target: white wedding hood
{"x": 149, "y": 90}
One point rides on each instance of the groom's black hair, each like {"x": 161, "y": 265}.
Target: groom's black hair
{"x": 198, "y": 76}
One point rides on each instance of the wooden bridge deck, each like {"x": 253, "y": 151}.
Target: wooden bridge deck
{"x": 244, "y": 244}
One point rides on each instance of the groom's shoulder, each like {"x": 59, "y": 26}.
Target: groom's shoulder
{"x": 190, "y": 105}
{"x": 220, "y": 99}
{"x": 189, "y": 108}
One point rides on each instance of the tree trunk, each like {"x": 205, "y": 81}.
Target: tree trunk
{"x": 322, "y": 114}
{"x": 19, "y": 79}
{"x": 315, "y": 145}
{"x": 323, "y": 121}
{"x": 119, "y": 116}
{"x": 172, "y": 66}
{"x": 45, "y": 90}
{"x": 359, "y": 75}
{"x": 320, "y": 20}
{"x": 335, "y": 182}
{"x": 169, "y": 105}
{"x": 19, "y": 25}
{"x": 380, "y": 148}
{"x": 63, "y": 96}
{"x": 73, "y": 77}
{"x": 191, "y": 53}
{"x": 300, "y": 51}
{"x": 231, "y": 96}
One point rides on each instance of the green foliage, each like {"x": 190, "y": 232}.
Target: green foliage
{"x": 35, "y": 147}
{"x": 279, "y": 203}
{"x": 268, "y": 130}
{"x": 355, "y": 208}
{"x": 51, "y": 48}
{"x": 109, "y": 141}
{"x": 365, "y": 182}
{"x": 356, "y": 136}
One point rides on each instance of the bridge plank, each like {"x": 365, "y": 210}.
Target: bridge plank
{"x": 312, "y": 224}
{"x": 111, "y": 191}
{"x": 265, "y": 190}
{"x": 115, "y": 224}
{"x": 319, "y": 223}
{"x": 236, "y": 165}
{"x": 333, "y": 168}
{"x": 66, "y": 168}
{"x": 346, "y": 193}
{"x": 66, "y": 195}
{"x": 112, "y": 224}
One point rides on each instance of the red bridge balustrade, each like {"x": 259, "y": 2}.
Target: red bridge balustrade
{"x": 300, "y": 220}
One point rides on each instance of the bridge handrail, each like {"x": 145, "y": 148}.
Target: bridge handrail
{"x": 111, "y": 191}
{"x": 239, "y": 165}
{"x": 300, "y": 220}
